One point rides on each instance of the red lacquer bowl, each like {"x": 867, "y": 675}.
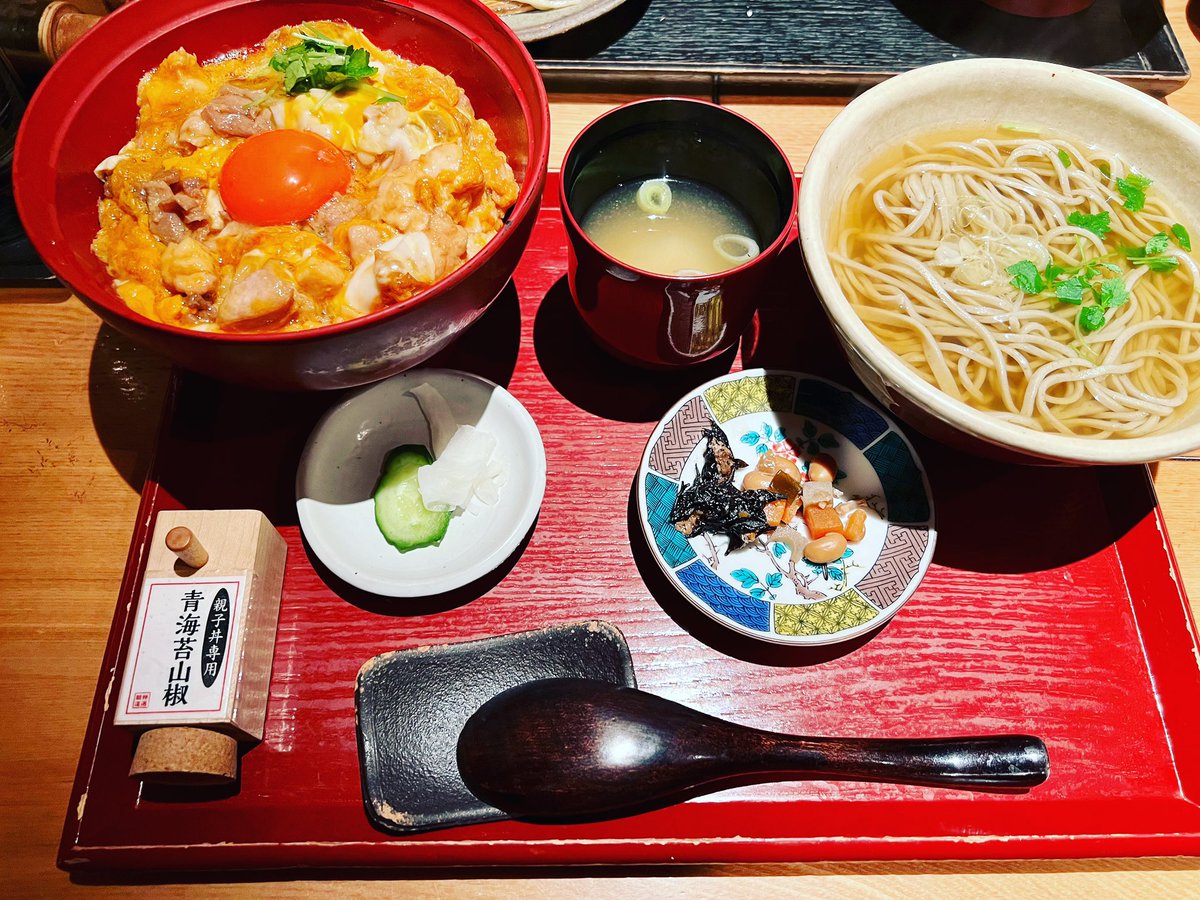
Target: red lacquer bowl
{"x": 86, "y": 109}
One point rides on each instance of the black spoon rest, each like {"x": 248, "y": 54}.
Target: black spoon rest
{"x": 412, "y": 704}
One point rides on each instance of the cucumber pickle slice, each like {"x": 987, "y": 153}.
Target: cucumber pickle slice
{"x": 399, "y": 511}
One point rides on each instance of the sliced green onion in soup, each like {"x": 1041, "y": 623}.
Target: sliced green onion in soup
{"x": 737, "y": 248}
{"x": 654, "y": 197}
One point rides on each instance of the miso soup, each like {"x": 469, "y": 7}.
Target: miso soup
{"x": 671, "y": 226}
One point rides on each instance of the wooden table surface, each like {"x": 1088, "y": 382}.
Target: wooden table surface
{"x": 79, "y": 408}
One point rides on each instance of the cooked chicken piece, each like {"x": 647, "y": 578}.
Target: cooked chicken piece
{"x": 256, "y": 298}
{"x": 175, "y": 205}
{"x": 396, "y": 200}
{"x": 165, "y": 221}
{"x": 386, "y": 130}
{"x": 189, "y": 267}
{"x": 198, "y": 309}
{"x": 449, "y": 243}
{"x": 337, "y": 209}
{"x": 234, "y": 112}
{"x": 442, "y": 158}
{"x": 320, "y": 277}
{"x": 363, "y": 238}
{"x": 405, "y": 264}
{"x": 412, "y": 262}
{"x": 194, "y": 131}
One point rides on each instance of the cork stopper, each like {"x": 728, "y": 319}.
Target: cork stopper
{"x": 187, "y": 547}
{"x": 60, "y": 26}
{"x": 181, "y": 755}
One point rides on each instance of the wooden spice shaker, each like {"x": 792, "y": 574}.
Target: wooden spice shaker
{"x": 198, "y": 669}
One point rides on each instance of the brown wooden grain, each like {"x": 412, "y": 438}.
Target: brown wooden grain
{"x": 79, "y": 408}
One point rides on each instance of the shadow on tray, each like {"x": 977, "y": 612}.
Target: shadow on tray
{"x": 226, "y": 446}
{"x": 1107, "y": 31}
{"x": 127, "y": 385}
{"x": 416, "y": 606}
{"x": 596, "y": 382}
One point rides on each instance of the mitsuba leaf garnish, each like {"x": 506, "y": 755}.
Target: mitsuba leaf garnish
{"x": 1157, "y": 244}
{"x": 1071, "y": 290}
{"x": 318, "y": 62}
{"x": 1110, "y": 293}
{"x": 1151, "y": 256}
{"x": 1026, "y": 277}
{"x": 1158, "y": 263}
{"x": 1065, "y": 158}
{"x": 1182, "y": 238}
{"x": 1091, "y": 318}
{"x": 1133, "y": 189}
{"x": 1098, "y": 224}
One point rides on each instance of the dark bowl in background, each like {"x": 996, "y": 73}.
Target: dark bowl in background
{"x": 86, "y": 109}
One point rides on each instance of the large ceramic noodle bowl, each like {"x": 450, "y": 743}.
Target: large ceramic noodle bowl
{"x": 289, "y": 214}
{"x": 1008, "y": 251}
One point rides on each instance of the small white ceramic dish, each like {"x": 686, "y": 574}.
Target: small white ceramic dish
{"x": 342, "y": 462}
{"x": 1095, "y": 110}
{"x": 759, "y": 590}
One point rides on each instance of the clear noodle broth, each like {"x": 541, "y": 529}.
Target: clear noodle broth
{"x": 671, "y": 226}
{"x": 1030, "y": 276}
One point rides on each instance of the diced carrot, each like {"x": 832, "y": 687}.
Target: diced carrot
{"x": 774, "y": 512}
{"x": 821, "y": 520}
{"x": 856, "y": 525}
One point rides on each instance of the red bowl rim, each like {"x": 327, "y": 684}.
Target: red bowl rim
{"x": 33, "y": 140}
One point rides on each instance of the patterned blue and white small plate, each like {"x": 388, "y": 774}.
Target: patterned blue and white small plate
{"x": 759, "y": 590}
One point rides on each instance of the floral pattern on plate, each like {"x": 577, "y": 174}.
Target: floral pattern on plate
{"x": 759, "y": 590}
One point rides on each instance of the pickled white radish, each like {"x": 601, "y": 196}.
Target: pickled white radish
{"x": 463, "y": 468}
{"x": 437, "y": 413}
{"x": 451, "y": 480}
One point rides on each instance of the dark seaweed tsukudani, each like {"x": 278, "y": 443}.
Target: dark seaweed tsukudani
{"x": 712, "y": 505}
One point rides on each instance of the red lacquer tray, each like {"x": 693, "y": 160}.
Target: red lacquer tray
{"x": 1072, "y": 626}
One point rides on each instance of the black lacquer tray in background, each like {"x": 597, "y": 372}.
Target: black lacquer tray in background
{"x": 837, "y": 47}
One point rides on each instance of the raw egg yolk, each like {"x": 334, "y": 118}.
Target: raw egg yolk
{"x": 282, "y": 176}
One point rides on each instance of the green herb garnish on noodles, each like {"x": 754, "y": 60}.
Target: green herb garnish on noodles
{"x": 318, "y": 62}
{"x": 1133, "y": 189}
{"x": 1182, "y": 238}
{"x": 1026, "y": 277}
{"x": 1091, "y": 318}
{"x": 1151, "y": 256}
{"x": 1110, "y": 293}
{"x": 1065, "y": 158}
{"x": 1098, "y": 224}
{"x": 1157, "y": 244}
{"x": 1071, "y": 290}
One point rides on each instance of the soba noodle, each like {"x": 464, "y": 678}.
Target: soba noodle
{"x": 924, "y": 252}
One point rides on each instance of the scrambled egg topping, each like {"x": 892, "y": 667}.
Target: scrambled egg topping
{"x": 417, "y": 187}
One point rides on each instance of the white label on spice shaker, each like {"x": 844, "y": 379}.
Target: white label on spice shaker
{"x": 185, "y": 651}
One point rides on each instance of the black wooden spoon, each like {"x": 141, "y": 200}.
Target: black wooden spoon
{"x": 567, "y": 748}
